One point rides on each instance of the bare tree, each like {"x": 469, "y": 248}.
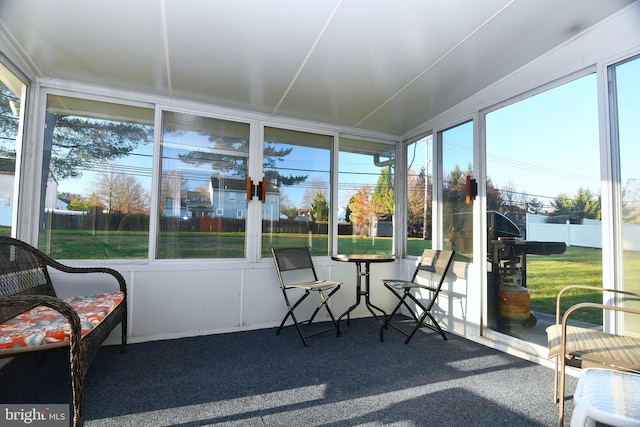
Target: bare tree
{"x": 418, "y": 202}
{"x": 631, "y": 202}
{"x": 509, "y": 196}
{"x": 318, "y": 185}
{"x": 174, "y": 186}
{"x": 121, "y": 193}
{"x": 287, "y": 207}
{"x": 534, "y": 205}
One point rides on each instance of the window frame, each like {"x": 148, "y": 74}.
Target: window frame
{"x": 19, "y": 202}
{"x": 154, "y": 227}
{"x": 30, "y": 191}
{"x": 395, "y": 146}
{"x": 403, "y": 198}
{"x": 333, "y": 229}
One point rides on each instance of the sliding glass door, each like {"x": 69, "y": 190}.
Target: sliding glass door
{"x": 625, "y": 112}
{"x": 543, "y": 207}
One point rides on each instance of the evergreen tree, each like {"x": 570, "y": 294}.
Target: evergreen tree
{"x": 319, "y": 208}
{"x": 383, "y": 192}
{"x": 584, "y": 204}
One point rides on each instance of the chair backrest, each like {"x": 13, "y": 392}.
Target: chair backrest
{"x": 23, "y": 271}
{"x": 435, "y": 261}
{"x": 296, "y": 261}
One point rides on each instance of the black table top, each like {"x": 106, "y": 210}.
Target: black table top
{"x": 363, "y": 258}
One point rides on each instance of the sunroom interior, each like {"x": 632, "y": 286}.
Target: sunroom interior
{"x": 178, "y": 142}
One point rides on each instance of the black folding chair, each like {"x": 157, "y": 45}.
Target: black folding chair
{"x": 436, "y": 262}
{"x": 296, "y": 271}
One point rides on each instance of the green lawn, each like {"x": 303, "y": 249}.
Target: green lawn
{"x": 546, "y": 275}
{"x": 134, "y": 245}
{"x": 86, "y": 245}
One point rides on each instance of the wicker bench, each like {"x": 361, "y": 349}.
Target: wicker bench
{"x": 33, "y": 318}
{"x": 583, "y": 347}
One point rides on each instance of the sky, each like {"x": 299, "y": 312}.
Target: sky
{"x": 543, "y": 146}
{"x": 628, "y": 81}
{"x": 355, "y": 170}
{"x": 547, "y": 144}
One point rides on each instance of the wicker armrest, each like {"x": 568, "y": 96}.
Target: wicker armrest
{"x": 69, "y": 269}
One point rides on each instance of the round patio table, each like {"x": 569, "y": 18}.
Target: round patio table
{"x": 363, "y": 262}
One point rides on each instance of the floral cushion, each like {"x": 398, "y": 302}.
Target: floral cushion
{"x": 43, "y": 325}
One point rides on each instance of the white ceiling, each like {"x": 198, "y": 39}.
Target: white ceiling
{"x": 383, "y": 65}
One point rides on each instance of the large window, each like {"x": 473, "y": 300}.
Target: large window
{"x": 203, "y": 187}
{"x": 543, "y": 187}
{"x": 98, "y": 165}
{"x": 419, "y": 195}
{"x": 625, "y": 78}
{"x": 96, "y": 179}
{"x": 365, "y": 197}
{"x": 12, "y": 92}
{"x": 296, "y": 212}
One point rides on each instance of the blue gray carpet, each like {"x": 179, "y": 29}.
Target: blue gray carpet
{"x": 257, "y": 378}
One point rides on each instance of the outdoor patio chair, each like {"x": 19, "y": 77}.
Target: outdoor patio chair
{"x": 296, "y": 272}
{"x": 581, "y": 345}
{"x": 435, "y": 262}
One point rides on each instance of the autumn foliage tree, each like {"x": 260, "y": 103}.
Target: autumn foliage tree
{"x": 363, "y": 210}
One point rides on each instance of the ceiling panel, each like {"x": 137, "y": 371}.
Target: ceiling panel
{"x": 495, "y": 50}
{"x": 372, "y": 64}
{"x": 246, "y": 55}
{"x": 362, "y": 62}
{"x": 84, "y": 41}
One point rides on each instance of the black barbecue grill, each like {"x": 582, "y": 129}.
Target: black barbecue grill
{"x": 507, "y": 294}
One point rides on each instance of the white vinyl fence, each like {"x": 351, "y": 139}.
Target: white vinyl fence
{"x": 587, "y": 235}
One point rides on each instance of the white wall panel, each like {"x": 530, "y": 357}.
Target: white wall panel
{"x": 262, "y": 302}
{"x": 184, "y": 302}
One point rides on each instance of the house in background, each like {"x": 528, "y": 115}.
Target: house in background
{"x": 7, "y": 190}
{"x": 229, "y": 199}
{"x": 199, "y": 204}
{"x": 226, "y": 198}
